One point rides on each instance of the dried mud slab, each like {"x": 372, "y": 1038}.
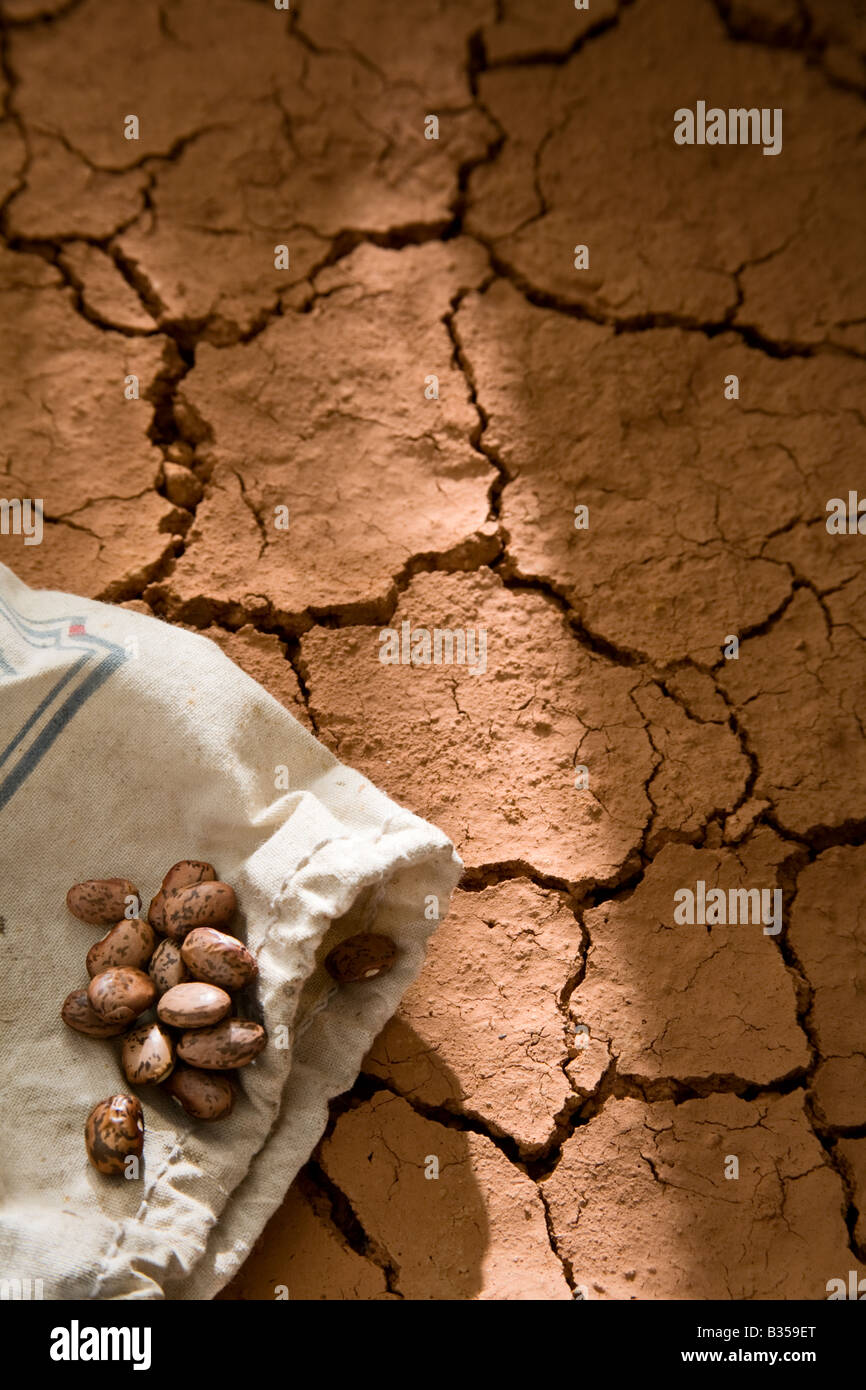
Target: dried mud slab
{"x": 524, "y": 30}
{"x": 640, "y": 1206}
{"x": 389, "y": 84}
{"x": 208, "y": 250}
{"x": 683, "y": 487}
{"x": 324, "y": 414}
{"x": 798, "y": 688}
{"x": 23, "y": 10}
{"x": 302, "y": 1252}
{"x": 543, "y": 707}
{"x": 481, "y": 1030}
{"x": 838, "y": 1087}
{"x": 65, "y": 196}
{"x": 69, "y": 428}
{"x": 828, "y": 937}
{"x": 106, "y": 550}
{"x": 277, "y": 178}
{"x": 385, "y": 38}
{"x": 73, "y": 441}
{"x": 475, "y": 1231}
{"x": 245, "y": 142}
{"x": 672, "y": 1000}
{"x": 828, "y": 564}
{"x": 831, "y": 32}
{"x": 180, "y": 71}
{"x": 106, "y": 295}
{"x": 764, "y": 21}
{"x": 853, "y": 1155}
{"x": 596, "y": 134}
{"x": 701, "y": 771}
{"x": 13, "y": 152}
{"x": 841, "y": 28}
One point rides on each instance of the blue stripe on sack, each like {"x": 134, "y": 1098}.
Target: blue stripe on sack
{"x": 29, "y": 627}
{"x": 33, "y": 623}
{"x": 107, "y": 666}
{"x": 40, "y": 709}
{"x": 42, "y": 633}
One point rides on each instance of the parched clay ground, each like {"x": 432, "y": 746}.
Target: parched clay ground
{"x": 583, "y": 1068}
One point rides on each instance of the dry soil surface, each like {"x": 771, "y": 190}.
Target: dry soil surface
{"x": 581, "y": 1096}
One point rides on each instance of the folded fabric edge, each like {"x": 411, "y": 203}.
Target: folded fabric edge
{"x": 325, "y": 1062}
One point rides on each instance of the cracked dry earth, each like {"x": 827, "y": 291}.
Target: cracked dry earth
{"x": 581, "y": 1066}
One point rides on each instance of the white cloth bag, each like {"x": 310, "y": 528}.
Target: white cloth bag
{"x": 126, "y": 745}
